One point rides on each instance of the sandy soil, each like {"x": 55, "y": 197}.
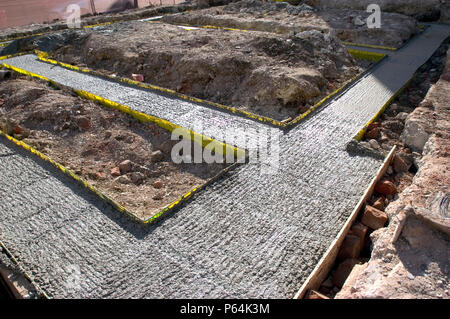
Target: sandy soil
{"x": 93, "y": 141}
{"x": 347, "y": 25}
{"x": 278, "y": 76}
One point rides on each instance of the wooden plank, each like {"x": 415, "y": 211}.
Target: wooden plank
{"x": 326, "y": 262}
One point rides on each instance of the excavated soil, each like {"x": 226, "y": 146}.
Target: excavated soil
{"x": 283, "y": 18}
{"x": 278, "y": 76}
{"x": 94, "y": 142}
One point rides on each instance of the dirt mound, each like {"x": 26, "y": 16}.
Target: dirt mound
{"x": 272, "y": 75}
{"x": 283, "y": 18}
{"x": 125, "y": 159}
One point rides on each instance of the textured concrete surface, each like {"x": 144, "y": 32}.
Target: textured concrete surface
{"x": 248, "y": 235}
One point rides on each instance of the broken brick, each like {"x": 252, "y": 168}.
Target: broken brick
{"x": 115, "y": 171}
{"x": 374, "y": 218}
{"x": 138, "y": 77}
{"x": 386, "y": 187}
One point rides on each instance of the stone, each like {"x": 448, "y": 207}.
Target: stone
{"x": 390, "y": 134}
{"x": 125, "y": 166}
{"x": 407, "y": 156}
{"x": 142, "y": 169}
{"x": 324, "y": 290}
{"x": 348, "y": 286}
{"x": 282, "y": 5}
{"x": 374, "y": 144}
{"x": 414, "y": 135}
{"x": 393, "y": 126}
{"x": 401, "y": 116}
{"x": 385, "y": 187}
{"x": 65, "y": 126}
{"x": 157, "y": 156}
{"x": 426, "y": 104}
{"x": 115, "y": 171}
{"x": 92, "y": 175}
{"x": 328, "y": 283}
{"x": 5, "y": 75}
{"x": 101, "y": 176}
{"x": 379, "y": 204}
{"x": 158, "y": 196}
{"x": 350, "y": 248}
{"x": 166, "y": 147}
{"x": 83, "y": 123}
{"x": 157, "y": 184}
{"x": 364, "y": 144}
{"x": 360, "y": 230}
{"x": 124, "y": 179}
{"x": 390, "y": 170}
{"x": 373, "y": 133}
{"x": 137, "y": 177}
{"x": 374, "y": 218}
{"x": 343, "y": 271}
{"x": 400, "y": 165}
{"x": 20, "y": 132}
{"x": 373, "y": 125}
{"x": 292, "y": 9}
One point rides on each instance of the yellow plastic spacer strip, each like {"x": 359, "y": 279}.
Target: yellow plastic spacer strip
{"x": 365, "y": 55}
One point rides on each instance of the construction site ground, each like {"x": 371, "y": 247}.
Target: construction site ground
{"x": 258, "y": 231}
